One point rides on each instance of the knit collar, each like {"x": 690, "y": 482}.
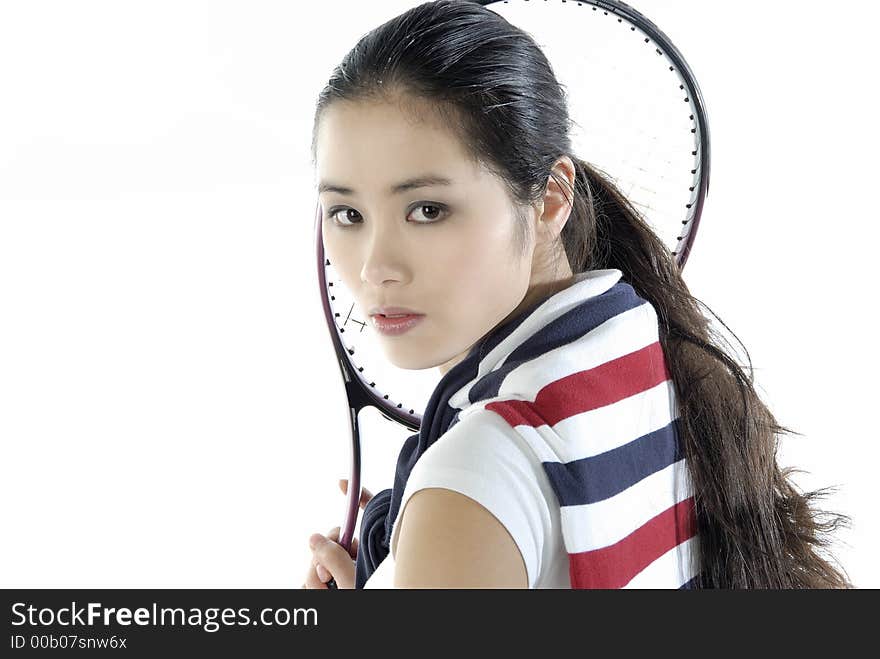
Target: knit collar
{"x": 519, "y": 339}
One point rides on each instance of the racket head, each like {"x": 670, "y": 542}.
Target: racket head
{"x": 649, "y": 135}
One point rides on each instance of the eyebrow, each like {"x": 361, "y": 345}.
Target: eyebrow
{"x": 410, "y": 184}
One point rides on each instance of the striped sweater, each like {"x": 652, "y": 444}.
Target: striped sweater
{"x": 582, "y": 379}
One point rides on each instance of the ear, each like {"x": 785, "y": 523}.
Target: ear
{"x": 556, "y": 206}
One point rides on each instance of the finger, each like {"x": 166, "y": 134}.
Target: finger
{"x": 366, "y": 495}
{"x": 334, "y": 558}
{"x": 312, "y": 580}
{"x": 323, "y": 574}
{"x": 334, "y": 536}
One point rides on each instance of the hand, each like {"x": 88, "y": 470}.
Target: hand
{"x": 329, "y": 559}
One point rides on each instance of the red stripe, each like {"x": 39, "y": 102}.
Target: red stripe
{"x": 616, "y": 565}
{"x": 586, "y": 390}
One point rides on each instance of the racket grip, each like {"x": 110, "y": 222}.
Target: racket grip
{"x": 332, "y": 584}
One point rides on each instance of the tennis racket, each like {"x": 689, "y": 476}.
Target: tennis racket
{"x": 645, "y": 126}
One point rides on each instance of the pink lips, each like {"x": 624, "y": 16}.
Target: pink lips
{"x": 396, "y": 326}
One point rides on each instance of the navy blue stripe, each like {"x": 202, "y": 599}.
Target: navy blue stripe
{"x": 601, "y": 476}
{"x": 569, "y": 327}
{"x": 692, "y": 584}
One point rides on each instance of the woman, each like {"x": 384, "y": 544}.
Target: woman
{"x": 588, "y": 430}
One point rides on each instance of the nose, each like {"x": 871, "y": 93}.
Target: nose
{"x": 384, "y": 258}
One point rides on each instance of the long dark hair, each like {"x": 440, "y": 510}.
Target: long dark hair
{"x": 493, "y": 85}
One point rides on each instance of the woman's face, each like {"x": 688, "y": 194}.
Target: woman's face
{"x": 443, "y": 250}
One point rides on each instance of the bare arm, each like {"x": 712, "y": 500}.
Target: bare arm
{"x": 448, "y": 540}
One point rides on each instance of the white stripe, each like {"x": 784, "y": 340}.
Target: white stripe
{"x": 671, "y": 570}
{"x": 602, "y": 429}
{"x": 596, "y": 525}
{"x": 587, "y": 284}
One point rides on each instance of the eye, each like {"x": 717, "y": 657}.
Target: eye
{"x": 438, "y": 208}
{"x": 333, "y": 211}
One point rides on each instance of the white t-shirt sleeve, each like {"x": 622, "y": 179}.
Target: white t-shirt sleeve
{"x": 485, "y": 459}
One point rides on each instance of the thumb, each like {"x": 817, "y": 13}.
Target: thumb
{"x": 330, "y": 554}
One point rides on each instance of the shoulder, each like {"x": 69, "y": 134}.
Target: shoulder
{"x": 481, "y": 445}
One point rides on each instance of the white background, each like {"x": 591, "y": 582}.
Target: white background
{"x": 171, "y": 413}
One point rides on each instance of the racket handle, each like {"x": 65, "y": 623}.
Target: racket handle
{"x": 332, "y": 584}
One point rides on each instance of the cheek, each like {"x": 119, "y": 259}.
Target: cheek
{"x": 487, "y": 284}
{"x": 340, "y": 257}
{"x": 478, "y": 243}
{"x": 347, "y": 271}
{"x": 490, "y": 253}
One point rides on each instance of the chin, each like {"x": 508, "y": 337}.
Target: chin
{"x": 410, "y": 362}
